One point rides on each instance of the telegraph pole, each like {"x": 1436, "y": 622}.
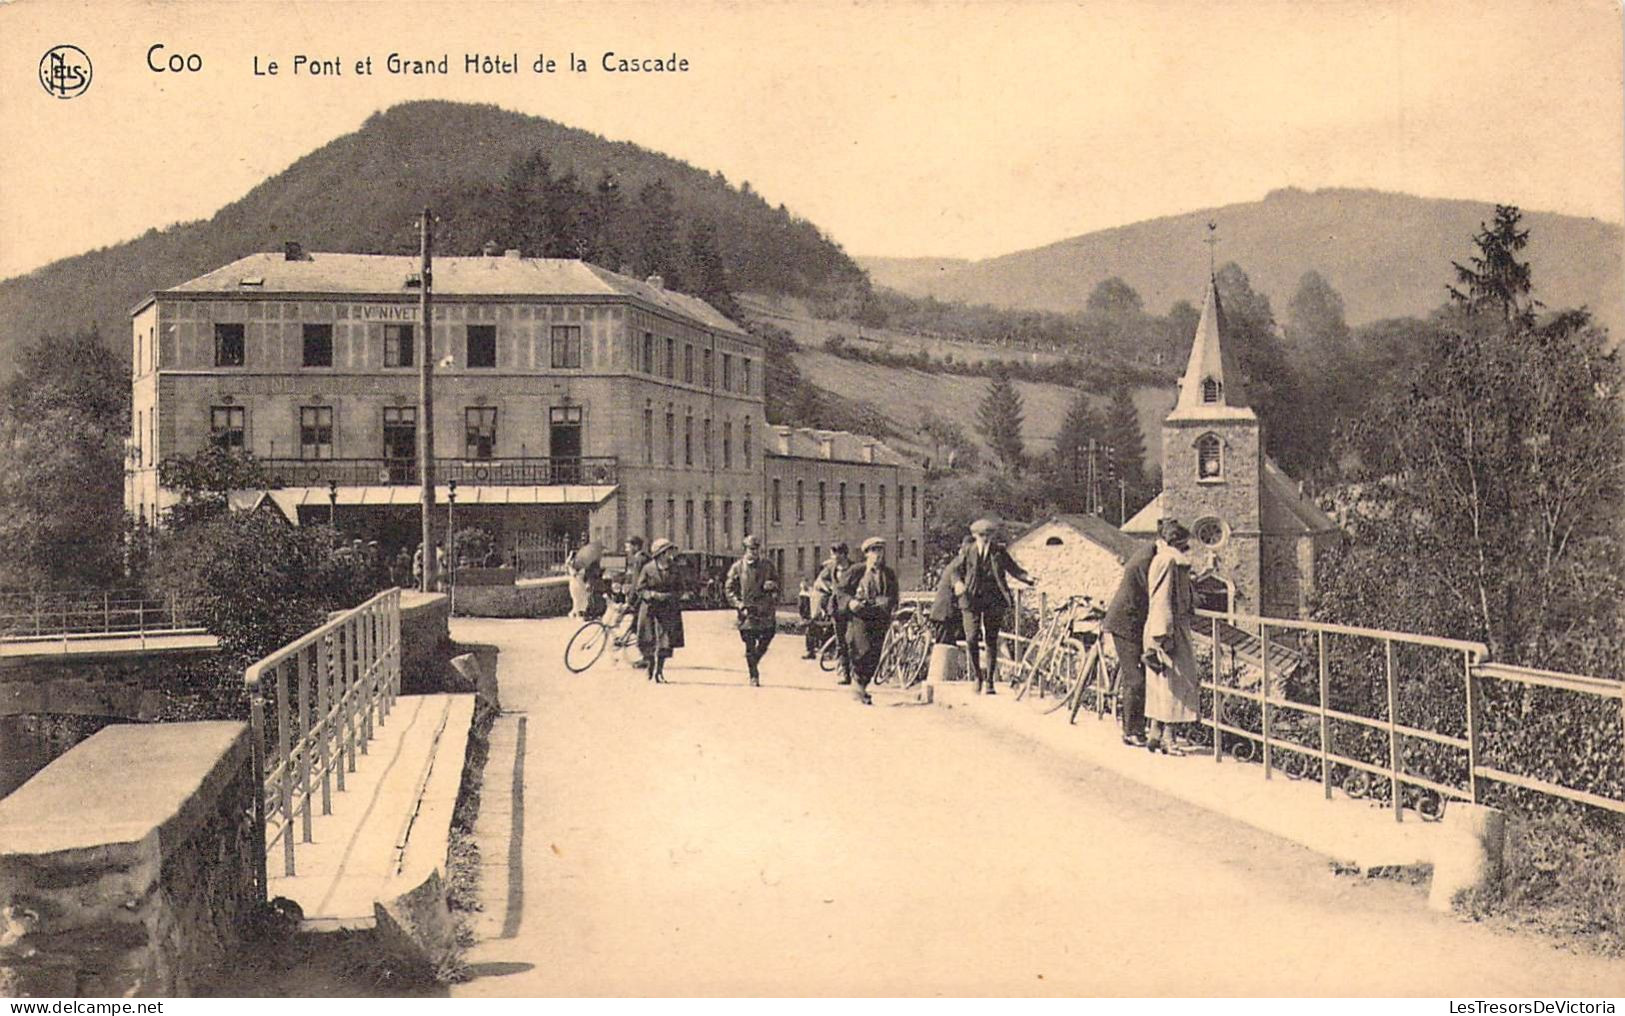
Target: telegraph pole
{"x": 425, "y": 435}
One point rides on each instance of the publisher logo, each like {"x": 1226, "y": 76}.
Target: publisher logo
{"x": 64, "y": 71}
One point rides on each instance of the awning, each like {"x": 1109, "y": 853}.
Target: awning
{"x": 291, "y": 499}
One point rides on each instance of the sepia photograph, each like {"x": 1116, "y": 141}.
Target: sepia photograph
{"x": 910, "y": 499}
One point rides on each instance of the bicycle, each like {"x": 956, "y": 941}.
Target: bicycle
{"x": 617, "y": 627}
{"x": 907, "y": 650}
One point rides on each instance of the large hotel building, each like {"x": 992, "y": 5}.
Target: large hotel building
{"x": 569, "y": 401}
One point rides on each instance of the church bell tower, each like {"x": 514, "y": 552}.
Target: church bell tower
{"x": 1212, "y": 462}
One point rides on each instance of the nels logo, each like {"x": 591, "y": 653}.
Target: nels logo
{"x": 64, "y": 71}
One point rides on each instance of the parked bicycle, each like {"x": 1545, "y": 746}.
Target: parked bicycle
{"x": 616, "y": 628}
{"x": 907, "y": 652}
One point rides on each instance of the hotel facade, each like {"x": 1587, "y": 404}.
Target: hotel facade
{"x": 569, "y": 401}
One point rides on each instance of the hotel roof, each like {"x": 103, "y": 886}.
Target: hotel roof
{"x": 387, "y": 275}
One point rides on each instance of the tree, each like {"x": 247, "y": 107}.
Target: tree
{"x": 655, "y": 235}
{"x": 1495, "y": 278}
{"x": 607, "y": 226}
{"x": 1317, "y": 348}
{"x": 1123, "y": 435}
{"x": 566, "y": 211}
{"x": 203, "y": 482}
{"x": 1315, "y": 329}
{"x": 1114, "y": 298}
{"x": 523, "y": 202}
{"x": 1069, "y": 464}
{"x": 706, "y": 275}
{"x": 1253, "y": 340}
{"x": 64, "y": 417}
{"x": 999, "y": 420}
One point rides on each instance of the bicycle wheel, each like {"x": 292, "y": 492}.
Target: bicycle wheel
{"x": 585, "y": 646}
{"x": 829, "y": 655}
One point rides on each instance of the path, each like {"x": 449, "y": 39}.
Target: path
{"x": 710, "y": 838}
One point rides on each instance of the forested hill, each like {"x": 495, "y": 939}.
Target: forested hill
{"x": 1386, "y": 254}
{"x": 490, "y": 174}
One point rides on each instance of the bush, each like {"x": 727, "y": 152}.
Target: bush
{"x": 1563, "y": 873}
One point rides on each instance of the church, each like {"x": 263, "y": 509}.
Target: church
{"x": 1255, "y": 535}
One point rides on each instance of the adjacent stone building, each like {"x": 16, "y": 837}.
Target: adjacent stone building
{"x": 1074, "y": 555}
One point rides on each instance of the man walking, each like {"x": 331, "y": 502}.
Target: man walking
{"x": 636, "y": 558}
{"x": 869, "y": 594}
{"x": 984, "y": 596}
{"x": 831, "y": 580}
{"x": 1125, "y": 623}
{"x": 752, "y": 588}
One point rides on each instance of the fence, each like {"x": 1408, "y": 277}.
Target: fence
{"x": 87, "y": 614}
{"x": 1412, "y": 720}
{"x": 537, "y": 555}
{"x": 328, "y": 688}
{"x": 517, "y": 471}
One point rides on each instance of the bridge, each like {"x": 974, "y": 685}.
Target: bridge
{"x": 709, "y": 837}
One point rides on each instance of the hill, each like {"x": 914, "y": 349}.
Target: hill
{"x": 1388, "y": 255}
{"x": 362, "y": 193}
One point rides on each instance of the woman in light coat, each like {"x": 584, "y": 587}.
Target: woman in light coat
{"x": 660, "y": 609}
{"x": 1172, "y": 681}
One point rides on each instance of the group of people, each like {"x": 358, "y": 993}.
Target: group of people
{"x": 1149, "y": 621}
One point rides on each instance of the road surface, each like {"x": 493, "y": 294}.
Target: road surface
{"x": 706, "y": 837}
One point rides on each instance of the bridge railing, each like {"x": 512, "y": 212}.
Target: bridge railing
{"x": 26, "y": 617}
{"x": 327, "y": 689}
{"x": 1412, "y": 720}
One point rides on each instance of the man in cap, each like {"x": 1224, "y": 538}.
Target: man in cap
{"x": 1125, "y": 623}
{"x": 831, "y": 579}
{"x": 869, "y": 594}
{"x": 979, "y": 578}
{"x": 752, "y": 589}
{"x": 636, "y": 558}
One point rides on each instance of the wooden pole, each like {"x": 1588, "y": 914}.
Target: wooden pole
{"x": 425, "y": 434}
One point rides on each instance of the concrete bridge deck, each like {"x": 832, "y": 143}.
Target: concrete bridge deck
{"x": 708, "y": 837}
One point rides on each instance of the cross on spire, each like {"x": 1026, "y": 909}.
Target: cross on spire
{"x": 1212, "y": 241}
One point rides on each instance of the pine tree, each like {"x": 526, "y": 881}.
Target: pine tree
{"x": 999, "y": 420}
{"x": 524, "y": 199}
{"x": 1071, "y": 460}
{"x": 565, "y": 214}
{"x": 1125, "y": 440}
{"x": 1496, "y": 278}
{"x": 606, "y": 225}
{"x": 655, "y": 238}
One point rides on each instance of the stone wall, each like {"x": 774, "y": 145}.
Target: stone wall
{"x": 549, "y": 597}
{"x": 425, "y": 635}
{"x": 129, "y": 865}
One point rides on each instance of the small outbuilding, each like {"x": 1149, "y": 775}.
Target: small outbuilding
{"x": 1074, "y": 555}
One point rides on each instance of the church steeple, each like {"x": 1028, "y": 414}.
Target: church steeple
{"x": 1212, "y": 386}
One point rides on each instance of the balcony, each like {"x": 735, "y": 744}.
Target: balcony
{"x": 504, "y": 472}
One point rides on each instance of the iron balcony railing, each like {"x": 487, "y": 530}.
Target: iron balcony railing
{"x": 85, "y": 614}
{"x": 527, "y": 471}
{"x": 327, "y": 688}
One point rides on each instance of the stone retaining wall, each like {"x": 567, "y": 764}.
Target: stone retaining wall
{"x": 128, "y": 865}
{"x": 425, "y": 636}
{"x": 549, "y": 597}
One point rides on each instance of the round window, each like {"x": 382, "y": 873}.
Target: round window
{"x": 1210, "y": 531}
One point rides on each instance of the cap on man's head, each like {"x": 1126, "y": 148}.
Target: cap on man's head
{"x": 873, "y": 543}
{"x": 983, "y": 527}
{"x": 661, "y": 546}
{"x": 840, "y": 548}
{"x": 635, "y": 541}
{"x": 752, "y": 541}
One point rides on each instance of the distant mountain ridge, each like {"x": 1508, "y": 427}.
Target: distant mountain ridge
{"x": 1387, "y": 254}
{"x": 363, "y": 192}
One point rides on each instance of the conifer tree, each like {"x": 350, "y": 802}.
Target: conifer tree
{"x": 999, "y": 420}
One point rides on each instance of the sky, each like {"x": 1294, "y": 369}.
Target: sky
{"x": 900, "y": 128}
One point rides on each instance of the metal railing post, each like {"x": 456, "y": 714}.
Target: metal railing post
{"x": 256, "y": 743}
{"x": 1264, "y": 696}
{"x": 324, "y": 709}
{"x": 347, "y": 690}
{"x": 1043, "y": 621}
{"x": 1472, "y": 729}
{"x": 1213, "y": 662}
{"x": 1393, "y": 727}
{"x": 285, "y": 759}
{"x": 1325, "y": 722}
{"x": 302, "y": 675}
{"x": 107, "y": 612}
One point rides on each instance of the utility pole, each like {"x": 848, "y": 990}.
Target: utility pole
{"x": 425, "y": 435}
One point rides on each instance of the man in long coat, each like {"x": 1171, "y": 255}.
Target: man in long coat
{"x": 869, "y": 595}
{"x": 831, "y": 579}
{"x": 752, "y": 589}
{"x": 1125, "y": 623}
{"x": 984, "y": 596}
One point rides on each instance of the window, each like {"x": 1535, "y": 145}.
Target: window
{"x": 774, "y": 504}
{"x": 140, "y": 431}
{"x": 671, "y": 359}
{"x": 671, "y": 437}
{"x": 914, "y": 548}
{"x": 228, "y": 345}
{"x": 318, "y": 345}
{"x": 882, "y": 502}
{"x": 1211, "y": 389}
{"x": 801, "y": 501}
{"x": 688, "y": 440}
{"x": 801, "y": 560}
{"x": 823, "y": 511}
{"x": 688, "y": 363}
{"x": 648, "y": 436}
{"x": 744, "y": 444}
{"x": 709, "y": 511}
{"x": 840, "y": 500}
{"x": 744, "y": 519}
{"x": 671, "y": 519}
{"x": 727, "y": 372}
{"x": 705, "y": 437}
{"x": 479, "y": 432}
{"x": 1210, "y": 531}
{"x": 727, "y": 444}
{"x": 566, "y": 346}
{"x": 399, "y": 341}
{"x": 648, "y": 521}
{"x": 818, "y": 555}
{"x": 1054, "y": 541}
{"x": 913, "y": 502}
{"x": 863, "y": 502}
{"x": 707, "y": 361}
{"x": 136, "y": 363}
{"x": 226, "y": 427}
{"x": 401, "y": 443}
{"x": 1209, "y": 458}
{"x": 744, "y": 374}
{"x": 688, "y": 523}
{"x": 482, "y": 345}
{"x": 648, "y": 361}
{"x": 727, "y": 523}
{"x": 316, "y": 432}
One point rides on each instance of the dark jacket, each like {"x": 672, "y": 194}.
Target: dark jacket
{"x": 747, "y": 590}
{"x": 634, "y": 570}
{"x": 831, "y": 577}
{"x": 984, "y": 576}
{"x": 1125, "y": 617}
{"x": 660, "y": 609}
{"x": 869, "y": 608}
{"x": 945, "y": 605}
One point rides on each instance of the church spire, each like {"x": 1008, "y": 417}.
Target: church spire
{"x": 1212, "y": 385}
